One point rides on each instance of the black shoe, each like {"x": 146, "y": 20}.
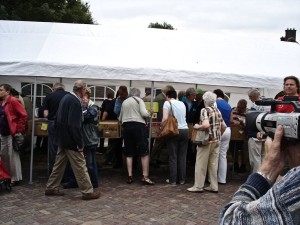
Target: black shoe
{"x": 235, "y": 167}
{"x": 117, "y": 166}
{"x": 129, "y": 180}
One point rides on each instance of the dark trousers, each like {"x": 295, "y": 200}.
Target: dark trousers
{"x": 114, "y": 151}
{"x": 52, "y": 148}
{"x": 177, "y": 147}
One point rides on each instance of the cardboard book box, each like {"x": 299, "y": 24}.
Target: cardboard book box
{"x": 109, "y": 129}
{"x": 155, "y": 129}
{"x": 40, "y": 127}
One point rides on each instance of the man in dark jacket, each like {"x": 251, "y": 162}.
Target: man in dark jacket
{"x": 159, "y": 147}
{"x": 69, "y": 139}
{"x": 50, "y": 106}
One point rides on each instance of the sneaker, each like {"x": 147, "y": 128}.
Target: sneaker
{"x": 195, "y": 190}
{"x": 182, "y": 182}
{"x": 168, "y": 182}
{"x": 90, "y": 196}
{"x": 54, "y": 192}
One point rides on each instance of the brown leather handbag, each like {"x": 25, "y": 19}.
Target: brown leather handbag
{"x": 169, "y": 128}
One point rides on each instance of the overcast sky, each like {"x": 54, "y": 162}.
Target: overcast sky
{"x": 260, "y": 17}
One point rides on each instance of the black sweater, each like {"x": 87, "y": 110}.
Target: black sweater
{"x": 68, "y": 123}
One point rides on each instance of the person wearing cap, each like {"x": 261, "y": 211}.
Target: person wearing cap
{"x": 199, "y": 94}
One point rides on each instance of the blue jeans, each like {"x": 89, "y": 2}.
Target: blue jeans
{"x": 177, "y": 148}
{"x": 91, "y": 163}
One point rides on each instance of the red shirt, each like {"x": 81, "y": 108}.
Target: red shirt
{"x": 285, "y": 108}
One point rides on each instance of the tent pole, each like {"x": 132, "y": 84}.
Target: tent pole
{"x": 150, "y": 122}
{"x": 32, "y": 130}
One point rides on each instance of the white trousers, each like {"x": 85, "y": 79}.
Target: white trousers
{"x": 224, "y": 146}
{"x": 11, "y": 158}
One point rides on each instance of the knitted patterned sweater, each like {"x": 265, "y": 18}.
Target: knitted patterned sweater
{"x": 257, "y": 203}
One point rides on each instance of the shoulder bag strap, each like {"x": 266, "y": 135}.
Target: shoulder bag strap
{"x": 135, "y": 99}
{"x": 171, "y": 111}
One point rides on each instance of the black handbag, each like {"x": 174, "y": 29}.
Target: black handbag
{"x": 17, "y": 141}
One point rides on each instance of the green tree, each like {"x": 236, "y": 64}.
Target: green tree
{"x": 161, "y": 26}
{"x": 66, "y": 11}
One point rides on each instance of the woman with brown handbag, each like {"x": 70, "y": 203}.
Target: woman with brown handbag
{"x": 177, "y": 145}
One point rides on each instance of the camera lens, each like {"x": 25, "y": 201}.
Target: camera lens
{"x": 251, "y": 121}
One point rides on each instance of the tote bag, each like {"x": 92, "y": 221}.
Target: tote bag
{"x": 169, "y": 128}
{"x": 200, "y": 137}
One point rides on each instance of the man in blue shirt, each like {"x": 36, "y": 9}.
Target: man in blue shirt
{"x": 225, "y": 110}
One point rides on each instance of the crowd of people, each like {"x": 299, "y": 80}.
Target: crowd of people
{"x": 73, "y": 139}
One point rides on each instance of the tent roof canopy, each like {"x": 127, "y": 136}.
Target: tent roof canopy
{"x": 99, "y": 52}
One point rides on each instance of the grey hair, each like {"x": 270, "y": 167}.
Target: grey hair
{"x": 190, "y": 91}
{"x": 135, "y": 92}
{"x": 253, "y": 92}
{"x": 79, "y": 85}
{"x": 209, "y": 98}
{"x": 58, "y": 86}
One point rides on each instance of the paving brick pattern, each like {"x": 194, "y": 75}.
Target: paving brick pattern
{"x": 119, "y": 204}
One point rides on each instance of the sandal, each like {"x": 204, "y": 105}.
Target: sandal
{"x": 147, "y": 181}
{"x": 130, "y": 180}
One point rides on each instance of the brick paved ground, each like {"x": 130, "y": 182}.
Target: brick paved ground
{"x": 120, "y": 203}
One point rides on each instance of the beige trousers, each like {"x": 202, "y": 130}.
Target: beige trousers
{"x": 79, "y": 168}
{"x": 207, "y": 161}
{"x": 256, "y": 152}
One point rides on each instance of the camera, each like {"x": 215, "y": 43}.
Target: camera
{"x": 257, "y": 121}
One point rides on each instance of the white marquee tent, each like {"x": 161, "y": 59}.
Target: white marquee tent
{"x": 40, "y": 52}
{"x": 97, "y": 52}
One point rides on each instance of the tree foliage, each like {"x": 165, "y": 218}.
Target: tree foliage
{"x": 66, "y": 11}
{"x": 164, "y": 25}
